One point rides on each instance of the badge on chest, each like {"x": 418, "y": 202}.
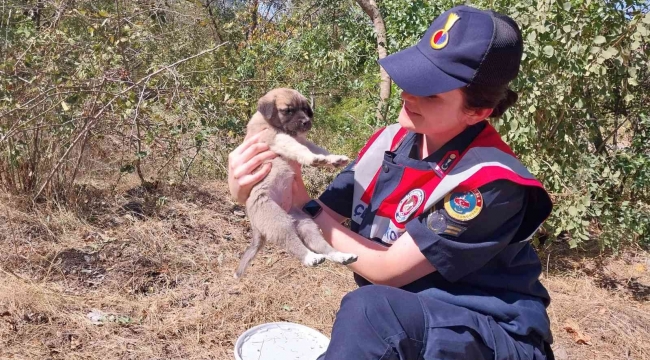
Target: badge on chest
{"x": 408, "y": 205}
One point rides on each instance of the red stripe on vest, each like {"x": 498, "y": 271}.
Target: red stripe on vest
{"x": 489, "y": 137}
{"x": 488, "y": 174}
{"x": 426, "y": 180}
{"x": 401, "y": 133}
{"x": 370, "y": 141}
{"x": 397, "y": 139}
{"x": 367, "y": 195}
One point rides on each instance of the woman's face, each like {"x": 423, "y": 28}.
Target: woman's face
{"x": 438, "y": 114}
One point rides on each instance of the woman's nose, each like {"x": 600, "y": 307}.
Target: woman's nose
{"x": 407, "y": 96}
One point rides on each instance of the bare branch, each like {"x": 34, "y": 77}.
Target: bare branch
{"x": 94, "y": 119}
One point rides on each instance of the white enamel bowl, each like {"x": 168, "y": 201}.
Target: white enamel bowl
{"x": 280, "y": 341}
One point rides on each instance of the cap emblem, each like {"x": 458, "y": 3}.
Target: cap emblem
{"x": 440, "y": 38}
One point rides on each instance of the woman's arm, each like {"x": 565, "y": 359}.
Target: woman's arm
{"x": 454, "y": 250}
{"x": 398, "y": 265}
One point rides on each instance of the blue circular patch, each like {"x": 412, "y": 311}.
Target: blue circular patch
{"x": 464, "y": 206}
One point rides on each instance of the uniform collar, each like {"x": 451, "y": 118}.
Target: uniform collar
{"x": 458, "y": 144}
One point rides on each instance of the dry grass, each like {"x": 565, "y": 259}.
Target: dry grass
{"x": 159, "y": 265}
{"x": 162, "y": 264}
{"x": 607, "y": 296}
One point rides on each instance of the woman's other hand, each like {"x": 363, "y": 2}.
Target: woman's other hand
{"x": 242, "y": 163}
{"x": 300, "y": 196}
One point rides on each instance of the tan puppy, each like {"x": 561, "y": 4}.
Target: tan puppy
{"x": 288, "y": 117}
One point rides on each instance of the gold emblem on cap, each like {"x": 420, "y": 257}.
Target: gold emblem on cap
{"x": 440, "y": 38}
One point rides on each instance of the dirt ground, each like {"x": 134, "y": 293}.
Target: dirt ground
{"x": 147, "y": 274}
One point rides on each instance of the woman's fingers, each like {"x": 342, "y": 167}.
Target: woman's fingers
{"x": 252, "y": 163}
{"x": 249, "y": 153}
{"x": 255, "y": 177}
{"x": 245, "y": 146}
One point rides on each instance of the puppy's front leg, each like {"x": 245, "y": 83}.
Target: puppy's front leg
{"x": 313, "y": 147}
{"x": 290, "y": 148}
{"x": 334, "y": 160}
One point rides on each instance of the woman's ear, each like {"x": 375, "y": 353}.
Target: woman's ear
{"x": 475, "y": 116}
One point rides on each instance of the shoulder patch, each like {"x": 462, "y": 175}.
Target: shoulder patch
{"x": 464, "y": 206}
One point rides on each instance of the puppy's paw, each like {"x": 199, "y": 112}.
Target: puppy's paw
{"x": 313, "y": 259}
{"x": 337, "y": 160}
{"x": 320, "y": 160}
{"x": 342, "y": 258}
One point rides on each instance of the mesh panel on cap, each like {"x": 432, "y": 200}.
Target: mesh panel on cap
{"x": 501, "y": 63}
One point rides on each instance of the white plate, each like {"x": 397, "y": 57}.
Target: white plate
{"x": 280, "y": 341}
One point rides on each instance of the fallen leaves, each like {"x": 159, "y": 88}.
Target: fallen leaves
{"x": 579, "y": 337}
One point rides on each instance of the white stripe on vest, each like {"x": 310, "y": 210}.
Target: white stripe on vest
{"x": 474, "y": 160}
{"x": 372, "y": 159}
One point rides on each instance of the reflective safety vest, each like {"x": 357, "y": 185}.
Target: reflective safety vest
{"x": 485, "y": 160}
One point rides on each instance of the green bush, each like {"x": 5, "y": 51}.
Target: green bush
{"x": 79, "y": 99}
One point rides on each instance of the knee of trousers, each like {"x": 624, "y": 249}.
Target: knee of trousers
{"x": 373, "y": 299}
{"x": 387, "y": 310}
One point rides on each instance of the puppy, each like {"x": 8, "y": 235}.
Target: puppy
{"x": 287, "y": 117}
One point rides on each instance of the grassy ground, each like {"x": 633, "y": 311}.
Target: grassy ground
{"x": 157, "y": 265}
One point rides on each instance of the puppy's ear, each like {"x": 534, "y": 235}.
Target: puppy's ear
{"x": 266, "y": 106}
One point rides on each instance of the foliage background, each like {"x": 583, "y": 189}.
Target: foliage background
{"x": 87, "y": 94}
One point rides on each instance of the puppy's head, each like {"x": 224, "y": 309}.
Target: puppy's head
{"x": 286, "y": 110}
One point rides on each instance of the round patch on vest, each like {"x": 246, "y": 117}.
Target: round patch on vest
{"x": 408, "y": 205}
{"x": 464, "y": 206}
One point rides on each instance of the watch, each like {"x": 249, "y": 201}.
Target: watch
{"x": 312, "y": 208}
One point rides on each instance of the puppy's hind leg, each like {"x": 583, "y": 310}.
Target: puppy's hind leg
{"x": 313, "y": 239}
{"x": 251, "y": 251}
{"x": 279, "y": 228}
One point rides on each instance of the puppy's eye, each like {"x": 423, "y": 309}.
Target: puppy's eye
{"x": 308, "y": 112}
{"x": 287, "y": 111}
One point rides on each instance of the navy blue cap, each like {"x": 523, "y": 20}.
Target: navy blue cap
{"x": 463, "y": 46}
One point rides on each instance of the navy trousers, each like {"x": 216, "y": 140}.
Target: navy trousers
{"x": 384, "y": 323}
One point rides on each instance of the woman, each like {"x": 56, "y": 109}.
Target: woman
{"x": 441, "y": 209}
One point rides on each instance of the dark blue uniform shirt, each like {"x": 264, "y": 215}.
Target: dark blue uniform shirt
{"x": 478, "y": 265}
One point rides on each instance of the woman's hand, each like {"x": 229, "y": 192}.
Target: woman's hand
{"x": 242, "y": 163}
{"x": 300, "y": 196}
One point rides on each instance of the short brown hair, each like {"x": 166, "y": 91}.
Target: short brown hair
{"x": 498, "y": 98}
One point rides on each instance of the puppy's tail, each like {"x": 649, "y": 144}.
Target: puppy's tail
{"x": 251, "y": 251}
{"x": 268, "y": 222}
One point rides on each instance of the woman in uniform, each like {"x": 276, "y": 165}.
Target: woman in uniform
{"x": 441, "y": 209}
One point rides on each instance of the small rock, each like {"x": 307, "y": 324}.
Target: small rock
{"x": 96, "y": 317}
{"x": 560, "y": 354}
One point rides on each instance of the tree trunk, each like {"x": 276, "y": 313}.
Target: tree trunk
{"x": 372, "y": 10}
{"x": 213, "y": 18}
{"x": 253, "y": 26}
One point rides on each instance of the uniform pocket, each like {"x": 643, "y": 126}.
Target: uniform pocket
{"x": 458, "y": 340}
{"x": 454, "y": 332}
